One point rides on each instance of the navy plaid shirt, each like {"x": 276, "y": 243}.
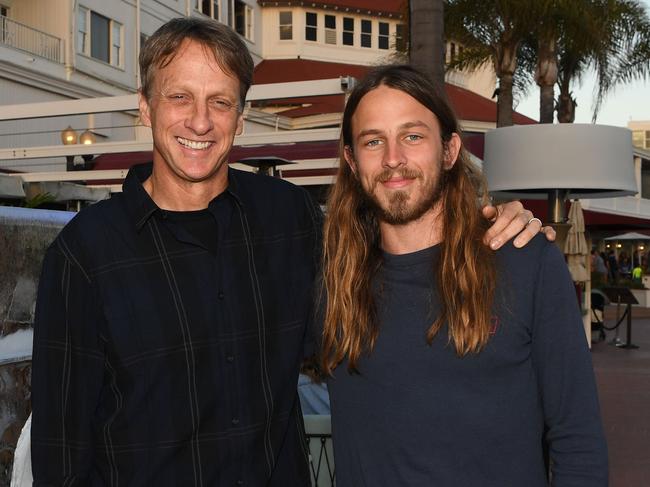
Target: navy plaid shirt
{"x": 159, "y": 362}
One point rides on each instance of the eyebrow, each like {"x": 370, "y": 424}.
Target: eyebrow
{"x": 406, "y": 125}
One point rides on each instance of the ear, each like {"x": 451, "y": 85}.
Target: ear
{"x": 349, "y": 158}
{"x": 145, "y": 114}
{"x": 240, "y": 124}
{"x": 451, "y": 152}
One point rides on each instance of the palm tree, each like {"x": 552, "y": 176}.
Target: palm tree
{"x": 612, "y": 36}
{"x": 614, "y": 40}
{"x": 426, "y": 38}
{"x": 491, "y": 31}
{"x": 539, "y": 53}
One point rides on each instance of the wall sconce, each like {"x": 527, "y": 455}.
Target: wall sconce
{"x": 69, "y": 136}
{"x": 608, "y": 246}
{"x": 641, "y": 247}
{"x": 618, "y": 245}
{"x": 87, "y": 138}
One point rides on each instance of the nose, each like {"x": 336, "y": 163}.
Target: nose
{"x": 198, "y": 120}
{"x": 393, "y": 155}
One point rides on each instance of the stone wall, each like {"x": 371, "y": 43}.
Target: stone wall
{"x": 25, "y": 234}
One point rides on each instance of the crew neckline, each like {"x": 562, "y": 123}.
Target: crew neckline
{"x": 412, "y": 258}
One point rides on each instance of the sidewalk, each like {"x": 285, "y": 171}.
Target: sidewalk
{"x": 623, "y": 378}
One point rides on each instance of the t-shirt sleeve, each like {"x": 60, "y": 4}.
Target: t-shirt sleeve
{"x": 562, "y": 360}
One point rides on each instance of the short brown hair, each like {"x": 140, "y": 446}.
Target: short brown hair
{"x": 229, "y": 50}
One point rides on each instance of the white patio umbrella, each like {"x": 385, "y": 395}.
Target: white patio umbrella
{"x": 575, "y": 246}
{"x": 629, "y": 236}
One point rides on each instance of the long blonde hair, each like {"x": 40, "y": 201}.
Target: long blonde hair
{"x": 352, "y": 255}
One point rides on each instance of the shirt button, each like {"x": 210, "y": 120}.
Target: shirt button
{"x": 230, "y": 359}
{"x": 221, "y": 295}
{"x": 234, "y": 421}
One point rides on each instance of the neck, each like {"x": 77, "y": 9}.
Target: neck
{"x": 419, "y": 234}
{"x": 175, "y": 194}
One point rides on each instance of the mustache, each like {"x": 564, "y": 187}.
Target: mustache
{"x": 403, "y": 172}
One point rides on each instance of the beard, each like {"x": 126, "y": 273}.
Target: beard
{"x": 404, "y": 207}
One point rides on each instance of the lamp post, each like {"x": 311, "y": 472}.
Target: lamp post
{"x": 69, "y": 137}
{"x": 87, "y": 138}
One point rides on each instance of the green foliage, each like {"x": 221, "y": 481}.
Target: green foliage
{"x": 552, "y": 41}
{"x": 34, "y": 202}
{"x": 39, "y": 200}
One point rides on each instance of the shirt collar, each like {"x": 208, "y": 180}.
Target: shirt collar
{"x": 140, "y": 205}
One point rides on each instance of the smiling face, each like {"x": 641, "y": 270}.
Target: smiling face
{"x": 194, "y": 117}
{"x": 397, "y": 154}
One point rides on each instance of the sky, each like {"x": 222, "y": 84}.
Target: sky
{"x": 624, "y": 103}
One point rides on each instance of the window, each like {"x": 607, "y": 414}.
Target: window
{"x": 116, "y": 41}
{"x": 330, "y": 29}
{"x": 243, "y": 20}
{"x": 348, "y": 31}
{"x": 4, "y": 13}
{"x": 400, "y": 41}
{"x": 382, "y": 40}
{"x": 100, "y": 37}
{"x": 641, "y": 138}
{"x": 311, "y": 26}
{"x": 82, "y": 30}
{"x": 208, "y": 7}
{"x": 286, "y": 26}
{"x": 366, "y": 33}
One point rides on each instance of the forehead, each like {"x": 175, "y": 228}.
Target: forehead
{"x": 191, "y": 60}
{"x": 385, "y": 108}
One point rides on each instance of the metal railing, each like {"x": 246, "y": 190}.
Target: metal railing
{"x": 28, "y": 39}
{"x": 321, "y": 454}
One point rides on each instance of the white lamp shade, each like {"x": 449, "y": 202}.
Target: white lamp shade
{"x": 590, "y": 161}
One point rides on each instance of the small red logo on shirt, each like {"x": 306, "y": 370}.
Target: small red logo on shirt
{"x": 494, "y": 325}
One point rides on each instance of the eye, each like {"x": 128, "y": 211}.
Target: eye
{"x": 413, "y": 137}
{"x": 178, "y": 98}
{"x": 222, "y": 105}
{"x": 372, "y": 143}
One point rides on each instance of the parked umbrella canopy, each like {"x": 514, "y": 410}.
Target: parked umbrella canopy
{"x": 575, "y": 246}
{"x": 629, "y": 236}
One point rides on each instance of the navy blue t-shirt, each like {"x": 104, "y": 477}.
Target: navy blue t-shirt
{"x": 419, "y": 415}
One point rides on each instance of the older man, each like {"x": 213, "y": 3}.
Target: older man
{"x": 171, "y": 319}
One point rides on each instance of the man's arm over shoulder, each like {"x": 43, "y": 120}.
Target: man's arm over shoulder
{"x": 562, "y": 361}
{"x": 67, "y": 371}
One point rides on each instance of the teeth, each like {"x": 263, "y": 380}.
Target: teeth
{"x": 193, "y": 144}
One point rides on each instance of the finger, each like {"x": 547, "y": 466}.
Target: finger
{"x": 511, "y": 220}
{"x": 549, "y": 233}
{"x": 518, "y": 227}
{"x": 490, "y": 212}
{"x": 533, "y": 227}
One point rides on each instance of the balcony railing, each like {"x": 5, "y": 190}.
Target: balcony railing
{"x": 31, "y": 40}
